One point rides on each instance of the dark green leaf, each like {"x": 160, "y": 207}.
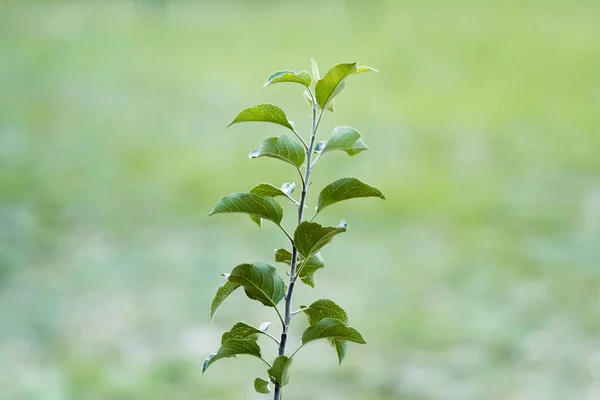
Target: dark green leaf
{"x": 364, "y": 68}
{"x": 241, "y": 331}
{"x": 256, "y": 220}
{"x": 261, "y": 386}
{"x": 330, "y": 328}
{"x": 260, "y": 282}
{"x": 302, "y": 78}
{"x": 325, "y": 308}
{"x": 341, "y": 348}
{"x": 267, "y": 190}
{"x": 283, "y": 148}
{"x": 222, "y": 293}
{"x": 312, "y": 265}
{"x": 250, "y": 203}
{"x": 234, "y": 347}
{"x": 310, "y": 237}
{"x": 344, "y": 189}
{"x": 279, "y": 371}
{"x": 333, "y": 83}
{"x": 263, "y": 113}
{"x": 346, "y": 139}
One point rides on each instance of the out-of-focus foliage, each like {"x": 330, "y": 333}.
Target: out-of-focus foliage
{"x": 478, "y": 278}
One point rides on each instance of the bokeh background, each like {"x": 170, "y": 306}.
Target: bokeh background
{"x": 478, "y": 278}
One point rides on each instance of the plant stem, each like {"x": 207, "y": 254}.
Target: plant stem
{"x": 277, "y": 395}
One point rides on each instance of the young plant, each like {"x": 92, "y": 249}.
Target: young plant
{"x": 261, "y": 281}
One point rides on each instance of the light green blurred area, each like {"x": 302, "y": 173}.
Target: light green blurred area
{"x": 477, "y": 278}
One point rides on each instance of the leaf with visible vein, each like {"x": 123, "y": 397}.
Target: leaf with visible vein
{"x": 222, "y": 293}
{"x": 346, "y": 139}
{"x": 250, "y": 203}
{"x": 310, "y": 237}
{"x": 332, "y": 83}
{"x": 279, "y": 371}
{"x": 283, "y": 148}
{"x": 312, "y": 265}
{"x": 261, "y": 386}
{"x": 263, "y": 113}
{"x": 260, "y": 281}
{"x": 302, "y": 78}
{"x": 345, "y": 189}
{"x": 330, "y": 328}
{"x": 232, "y": 348}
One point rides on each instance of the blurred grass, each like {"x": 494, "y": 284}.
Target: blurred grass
{"x": 478, "y": 278}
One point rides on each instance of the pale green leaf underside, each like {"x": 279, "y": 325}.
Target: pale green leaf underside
{"x": 283, "y": 148}
{"x": 260, "y": 281}
{"x": 364, "y": 68}
{"x": 329, "y": 328}
{"x": 279, "y": 371}
{"x": 332, "y": 83}
{"x": 250, "y": 203}
{"x": 310, "y": 237}
{"x": 346, "y": 139}
{"x": 345, "y": 189}
{"x": 263, "y": 113}
{"x": 261, "y": 386}
{"x": 222, "y": 293}
{"x": 302, "y": 78}
{"x": 312, "y": 265}
{"x": 315, "y": 69}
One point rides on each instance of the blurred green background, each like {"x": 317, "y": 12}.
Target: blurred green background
{"x": 478, "y": 278}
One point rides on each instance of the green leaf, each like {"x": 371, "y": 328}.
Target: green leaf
{"x": 261, "y": 386}
{"x": 241, "y": 331}
{"x": 279, "y": 371}
{"x": 302, "y": 78}
{"x": 312, "y": 265}
{"x": 364, "y": 68}
{"x": 333, "y": 83}
{"x": 310, "y": 237}
{"x": 307, "y": 98}
{"x": 263, "y": 113}
{"x": 260, "y": 282}
{"x": 345, "y": 189}
{"x": 346, "y": 139}
{"x": 222, "y": 293}
{"x": 330, "y": 328}
{"x": 267, "y": 190}
{"x": 256, "y": 220}
{"x": 331, "y": 106}
{"x": 315, "y": 69}
{"x": 325, "y": 308}
{"x": 232, "y": 348}
{"x": 341, "y": 348}
{"x": 283, "y": 148}
{"x": 250, "y": 203}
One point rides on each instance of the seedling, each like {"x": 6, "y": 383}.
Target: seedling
{"x": 303, "y": 259}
